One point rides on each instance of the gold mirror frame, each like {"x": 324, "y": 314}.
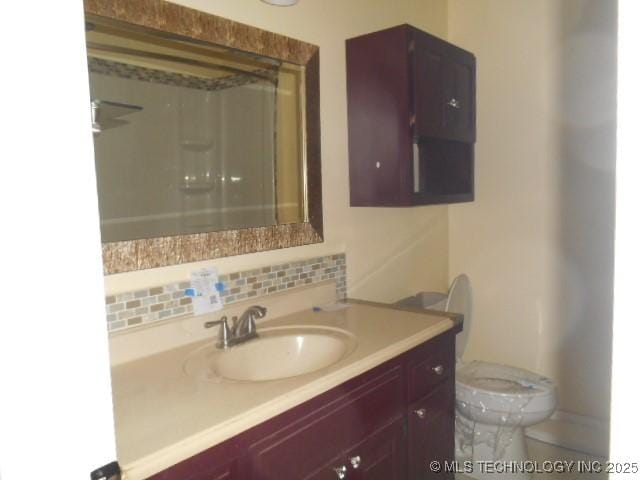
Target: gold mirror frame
{"x": 167, "y": 17}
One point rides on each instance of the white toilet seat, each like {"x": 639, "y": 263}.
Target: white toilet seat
{"x": 504, "y": 389}
{"x": 497, "y": 379}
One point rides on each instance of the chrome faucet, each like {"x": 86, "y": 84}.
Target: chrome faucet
{"x": 243, "y": 329}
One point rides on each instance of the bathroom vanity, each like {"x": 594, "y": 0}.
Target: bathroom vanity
{"x": 382, "y": 411}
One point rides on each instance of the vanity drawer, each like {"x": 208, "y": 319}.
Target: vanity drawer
{"x": 431, "y": 422}
{"x": 431, "y": 364}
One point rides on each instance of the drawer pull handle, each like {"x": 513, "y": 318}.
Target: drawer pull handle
{"x": 341, "y": 472}
{"x": 355, "y": 461}
{"x": 438, "y": 369}
{"x": 421, "y": 413}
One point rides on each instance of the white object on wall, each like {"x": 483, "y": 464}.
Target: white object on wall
{"x": 204, "y": 293}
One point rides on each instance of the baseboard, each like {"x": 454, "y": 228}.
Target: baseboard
{"x": 574, "y": 432}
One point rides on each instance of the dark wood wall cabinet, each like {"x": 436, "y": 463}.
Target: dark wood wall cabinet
{"x": 412, "y": 119}
{"x": 386, "y": 424}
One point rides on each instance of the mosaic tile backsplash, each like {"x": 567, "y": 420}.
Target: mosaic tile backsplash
{"x": 131, "y": 309}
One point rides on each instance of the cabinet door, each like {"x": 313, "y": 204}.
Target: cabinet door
{"x": 335, "y": 468}
{"x": 443, "y": 90}
{"x": 313, "y": 445}
{"x": 428, "y": 89}
{"x": 459, "y": 100}
{"x": 381, "y": 455}
{"x": 306, "y": 450}
{"x": 193, "y": 470}
{"x": 222, "y": 462}
{"x": 379, "y": 111}
{"x": 224, "y": 472}
{"x": 431, "y": 433}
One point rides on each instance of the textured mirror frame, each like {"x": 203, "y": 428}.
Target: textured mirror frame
{"x": 163, "y": 251}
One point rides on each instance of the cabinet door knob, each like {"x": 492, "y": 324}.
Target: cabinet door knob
{"x": 355, "y": 461}
{"x": 421, "y": 413}
{"x": 341, "y": 472}
{"x": 438, "y": 369}
{"x": 454, "y": 103}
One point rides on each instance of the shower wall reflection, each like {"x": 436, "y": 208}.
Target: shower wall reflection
{"x": 190, "y": 140}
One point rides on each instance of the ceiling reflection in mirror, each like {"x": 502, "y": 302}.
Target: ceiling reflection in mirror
{"x": 191, "y": 137}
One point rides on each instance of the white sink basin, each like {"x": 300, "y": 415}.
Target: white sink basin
{"x": 280, "y": 352}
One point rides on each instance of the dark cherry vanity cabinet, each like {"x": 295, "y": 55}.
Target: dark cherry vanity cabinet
{"x": 386, "y": 424}
{"x": 412, "y": 119}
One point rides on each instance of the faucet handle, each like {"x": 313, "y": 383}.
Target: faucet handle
{"x": 224, "y": 335}
{"x": 213, "y": 323}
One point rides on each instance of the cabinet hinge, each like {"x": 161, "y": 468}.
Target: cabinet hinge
{"x": 412, "y": 45}
{"x": 412, "y": 120}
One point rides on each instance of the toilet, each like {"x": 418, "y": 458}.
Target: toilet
{"x": 494, "y": 403}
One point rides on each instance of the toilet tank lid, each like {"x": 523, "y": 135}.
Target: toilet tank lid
{"x": 460, "y": 300}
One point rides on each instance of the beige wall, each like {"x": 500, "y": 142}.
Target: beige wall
{"x": 537, "y": 242}
{"x": 390, "y": 252}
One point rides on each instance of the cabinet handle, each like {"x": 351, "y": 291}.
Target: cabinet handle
{"x": 438, "y": 369}
{"x": 421, "y": 413}
{"x": 341, "y": 472}
{"x": 454, "y": 103}
{"x": 355, "y": 461}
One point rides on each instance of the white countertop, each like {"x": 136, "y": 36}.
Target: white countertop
{"x": 163, "y": 416}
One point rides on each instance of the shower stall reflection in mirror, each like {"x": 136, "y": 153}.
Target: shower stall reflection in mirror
{"x": 202, "y": 149}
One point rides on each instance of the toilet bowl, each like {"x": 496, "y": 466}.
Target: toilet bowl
{"x": 493, "y": 402}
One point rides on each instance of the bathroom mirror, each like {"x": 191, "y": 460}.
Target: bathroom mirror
{"x": 206, "y": 135}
